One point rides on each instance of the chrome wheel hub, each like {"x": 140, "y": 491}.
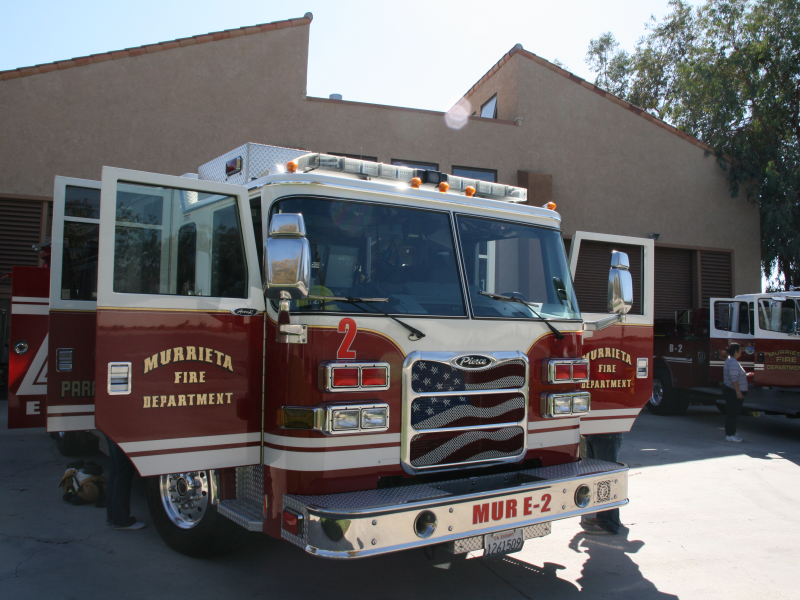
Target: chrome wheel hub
{"x": 658, "y": 393}
{"x": 185, "y": 497}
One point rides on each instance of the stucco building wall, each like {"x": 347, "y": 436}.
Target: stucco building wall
{"x": 170, "y": 110}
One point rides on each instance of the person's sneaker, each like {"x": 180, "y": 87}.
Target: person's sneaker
{"x": 733, "y": 438}
{"x": 131, "y": 523}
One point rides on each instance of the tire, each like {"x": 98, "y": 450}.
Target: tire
{"x": 73, "y": 443}
{"x": 185, "y": 516}
{"x": 662, "y": 402}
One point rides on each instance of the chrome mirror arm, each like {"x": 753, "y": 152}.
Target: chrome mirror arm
{"x": 603, "y": 323}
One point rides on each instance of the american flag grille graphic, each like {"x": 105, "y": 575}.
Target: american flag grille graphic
{"x": 454, "y": 447}
{"x": 435, "y": 412}
{"x": 432, "y": 376}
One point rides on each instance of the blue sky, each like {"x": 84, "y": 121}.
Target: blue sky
{"x": 420, "y": 54}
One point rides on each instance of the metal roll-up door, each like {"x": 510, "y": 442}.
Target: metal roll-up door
{"x": 716, "y": 276}
{"x": 591, "y": 276}
{"x": 20, "y": 229}
{"x": 673, "y": 281}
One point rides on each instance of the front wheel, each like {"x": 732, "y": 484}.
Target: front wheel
{"x": 183, "y": 509}
{"x": 662, "y": 401}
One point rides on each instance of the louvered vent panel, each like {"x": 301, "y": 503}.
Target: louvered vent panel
{"x": 673, "y": 281}
{"x": 591, "y": 278}
{"x": 717, "y": 279}
{"x": 20, "y": 228}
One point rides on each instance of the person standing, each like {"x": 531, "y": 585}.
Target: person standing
{"x": 734, "y": 388}
{"x": 118, "y": 490}
{"x": 603, "y": 446}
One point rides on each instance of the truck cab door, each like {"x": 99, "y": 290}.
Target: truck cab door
{"x": 620, "y": 356}
{"x": 180, "y": 322}
{"x": 729, "y": 322}
{"x": 777, "y": 345}
{"x": 73, "y": 305}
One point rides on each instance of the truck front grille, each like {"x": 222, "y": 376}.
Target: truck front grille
{"x": 455, "y": 416}
{"x": 459, "y": 447}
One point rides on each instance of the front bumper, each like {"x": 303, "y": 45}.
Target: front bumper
{"x": 372, "y": 522}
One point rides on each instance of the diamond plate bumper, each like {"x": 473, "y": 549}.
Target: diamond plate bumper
{"x": 374, "y": 522}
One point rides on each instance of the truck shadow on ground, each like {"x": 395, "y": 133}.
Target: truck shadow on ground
{"x": 655, "y": 440}
{"x": 608, "y": 570}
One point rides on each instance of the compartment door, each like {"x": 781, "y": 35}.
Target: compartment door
{"x": 180, "y": 320}
{"x": 27, "y": 357}
{"x": 619, "y": 385}
{"x": 73, "y": 305}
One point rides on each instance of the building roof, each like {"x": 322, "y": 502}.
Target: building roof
{"x": 518, "y": 49}
{"x": 214, "y": 36}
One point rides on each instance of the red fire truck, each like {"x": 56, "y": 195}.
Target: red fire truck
{"x": 690, "y": 353}
{"x": 356, "y": 357}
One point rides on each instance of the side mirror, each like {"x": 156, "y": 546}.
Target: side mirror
{"x": 620, "y": 284}
{"x": 287, "y": 258}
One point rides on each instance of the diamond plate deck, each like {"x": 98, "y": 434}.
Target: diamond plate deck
{"x": 367, "y": 499}
{"x": 257, "y": 160}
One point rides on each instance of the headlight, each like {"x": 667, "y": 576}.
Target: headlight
{"x": 580, "y": 404}
{"x": 562, "y": 405}
{"x": 344, "y": 419}
{"x": 374, "y": 418}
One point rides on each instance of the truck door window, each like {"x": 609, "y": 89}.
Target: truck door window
{"x": 778, "y": 315}
{"x": 177, "y": 242}
{"x": 81, "y": 231}
{"x": 378, "y": 251}
{"x": 744, "y": 318}
{"x": 514, "y": 259}
{"x": 723, "y": 316}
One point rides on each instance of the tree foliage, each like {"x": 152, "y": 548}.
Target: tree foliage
{"x": 727, "y": 73}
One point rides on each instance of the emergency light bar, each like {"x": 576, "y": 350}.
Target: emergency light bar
{"x": 366, "y": 168}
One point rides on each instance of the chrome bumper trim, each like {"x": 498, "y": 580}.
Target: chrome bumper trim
{"x": 374, "y": 522}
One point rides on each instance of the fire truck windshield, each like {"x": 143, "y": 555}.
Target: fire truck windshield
{"x": 361, "y": 250}
{"x": 519, "y": 261}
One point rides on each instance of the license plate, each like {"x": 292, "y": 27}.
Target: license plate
{"x": 503, "y": 542}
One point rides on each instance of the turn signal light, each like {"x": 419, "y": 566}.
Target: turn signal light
{"x": 345, "y": 377}
{"x": 563, "y": 372}
{"x": 291, "y": 167}
{"x": 292, "y": 522}
{"x": 374, "y": 377}
{"x": 580, "y": 371}
{"x": 416, "y": 182}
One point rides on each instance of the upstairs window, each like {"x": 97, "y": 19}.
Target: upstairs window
{"x": 424, "y": 166}
{"x": 489, "y": 110}
{"x": 471, "y": 173}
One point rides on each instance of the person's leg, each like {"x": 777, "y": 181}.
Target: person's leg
{"x": 110, "y": 480}
{"x": 120, "y": 497}
{"x": 603, "y": 447}
{"x": 732, "y": 407}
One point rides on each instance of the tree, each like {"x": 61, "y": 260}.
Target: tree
{"x": 727, "y": 73}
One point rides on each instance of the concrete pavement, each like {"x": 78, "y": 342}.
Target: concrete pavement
{"x": 707, "y": 519}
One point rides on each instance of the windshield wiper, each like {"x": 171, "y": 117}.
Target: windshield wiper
{"x": 416, "y": 334}
{"x": 556, "y": 332}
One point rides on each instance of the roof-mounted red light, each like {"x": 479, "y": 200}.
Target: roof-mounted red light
{"x": 233, "y": 166}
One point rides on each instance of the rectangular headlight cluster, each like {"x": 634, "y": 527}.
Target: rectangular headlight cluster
{"x": 333, "y": 420}
{"x": 565, "y": 404}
